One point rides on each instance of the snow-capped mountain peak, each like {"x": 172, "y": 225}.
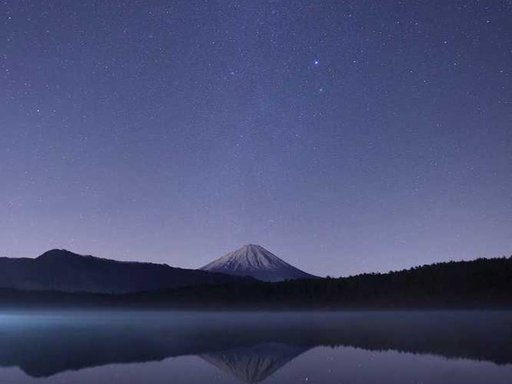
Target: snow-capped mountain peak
{"x": 254, "y": 260}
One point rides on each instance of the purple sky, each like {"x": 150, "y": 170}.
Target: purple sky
{"x": 343, "y": 136}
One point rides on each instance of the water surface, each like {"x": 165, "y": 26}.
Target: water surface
{"x": 199, "y": 347}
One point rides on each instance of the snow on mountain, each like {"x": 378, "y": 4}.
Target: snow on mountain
{"x": 255, "y": 261}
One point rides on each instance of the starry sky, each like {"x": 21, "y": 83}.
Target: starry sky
{"x": 344, "y": 136}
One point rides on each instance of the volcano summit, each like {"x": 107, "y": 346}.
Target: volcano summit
{"x": 255, "y": 261}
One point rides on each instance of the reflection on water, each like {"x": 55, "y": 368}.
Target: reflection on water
{"x": 254, "y": 363}
{"x": 362, "y": 347}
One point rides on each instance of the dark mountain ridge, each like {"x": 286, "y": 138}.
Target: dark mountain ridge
{"x": 62, "y": 270}
{"x": 482, "y": 283}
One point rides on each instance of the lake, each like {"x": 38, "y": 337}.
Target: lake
{"x": 81, "y": 347}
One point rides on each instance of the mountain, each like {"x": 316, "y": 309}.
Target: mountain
{"x": 61, "y": 270}
{"x": 255, "y": 261}
{"x": 477, "y": 284}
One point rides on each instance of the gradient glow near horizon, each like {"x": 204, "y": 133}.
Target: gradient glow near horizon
{"x": 343, "y": 136}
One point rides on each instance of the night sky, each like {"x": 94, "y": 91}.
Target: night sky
{"x": 343, "y": 136}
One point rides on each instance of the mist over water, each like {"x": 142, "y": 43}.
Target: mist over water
{"x": 197, "y": 347}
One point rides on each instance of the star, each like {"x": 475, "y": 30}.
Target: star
{"x": 209, "y": 107}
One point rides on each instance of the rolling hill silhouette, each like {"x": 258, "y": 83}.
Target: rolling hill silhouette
{"x": 62, "y": 270}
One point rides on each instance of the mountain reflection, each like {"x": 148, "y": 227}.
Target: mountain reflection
{"x": 249, "y": 346}
{"x": 254, "y": 363}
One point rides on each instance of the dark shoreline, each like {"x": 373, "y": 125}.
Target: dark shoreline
{"x": 166, "y": 301}
{"x": 479, "y": 284}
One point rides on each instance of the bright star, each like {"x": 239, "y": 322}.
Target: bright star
{"x": 316, "y": 62}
